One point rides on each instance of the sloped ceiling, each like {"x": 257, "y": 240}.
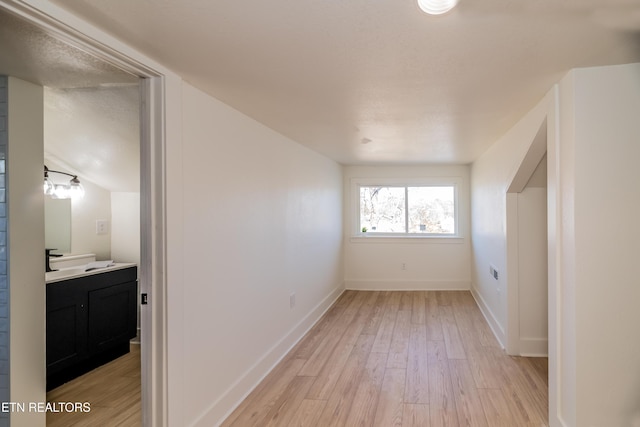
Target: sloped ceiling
{"x": 376, "y": 81}
{"x": 95, "y": 133}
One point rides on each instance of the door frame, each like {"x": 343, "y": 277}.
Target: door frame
{"x": 153, "y": 278}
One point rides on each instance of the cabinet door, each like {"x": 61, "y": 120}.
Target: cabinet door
{"x": 112, "y": 316}
{"x": 66, "y": 329}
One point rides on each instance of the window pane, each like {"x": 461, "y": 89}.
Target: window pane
{"x": 382, "y": 209}
{"x": 431, "y": 210}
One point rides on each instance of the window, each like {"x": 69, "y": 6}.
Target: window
{"x": 421, "y": 210}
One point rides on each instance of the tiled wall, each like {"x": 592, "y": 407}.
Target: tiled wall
{"x": 4, "y": 297}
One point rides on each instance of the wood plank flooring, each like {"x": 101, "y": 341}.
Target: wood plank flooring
{"x": 374, "y": 359}
{"x": 423, "y": 358}
{"x": 113, "y": 390}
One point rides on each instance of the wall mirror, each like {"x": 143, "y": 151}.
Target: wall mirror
{"x": 57, "y": 224}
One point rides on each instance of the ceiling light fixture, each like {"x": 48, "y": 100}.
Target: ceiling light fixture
{"x": 72, "y": 190}
{"x": 437, "y": 7}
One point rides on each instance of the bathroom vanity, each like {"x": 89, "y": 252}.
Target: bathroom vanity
{"x": 91, "y": 317}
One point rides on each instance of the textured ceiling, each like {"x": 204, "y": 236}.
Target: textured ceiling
{"x": 91, "y": 108}
{"x": 366, "y": 81}
{"x": 31, "y": 54}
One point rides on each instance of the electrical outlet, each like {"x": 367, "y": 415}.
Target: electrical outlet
{"x": 493, "y": 272}
{"x": 404, "y": 266}
{"x": 292, "y": 300}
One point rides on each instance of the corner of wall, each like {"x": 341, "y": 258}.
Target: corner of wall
{"x": 25, "y": 242}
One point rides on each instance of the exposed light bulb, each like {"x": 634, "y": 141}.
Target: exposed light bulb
{"x": 76, "y": 190}
{"x": 60, "y": 191}
{"x": 437, "y": 7}
{"x": 48, "y": 187}
{"x": 72, "y": 190}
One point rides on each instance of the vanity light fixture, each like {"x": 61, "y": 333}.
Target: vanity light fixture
{"x": 72, "y": 190}
{"x": 437, "y": 7}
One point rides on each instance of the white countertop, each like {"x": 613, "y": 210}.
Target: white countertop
{"x": 80, "y": 271}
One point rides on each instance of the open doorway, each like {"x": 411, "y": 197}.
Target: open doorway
{"x": 93, "y": 132}
{"x": 527, "y": 254}
{"x": 532, "y": 265}
{"x": 39, "y": 63}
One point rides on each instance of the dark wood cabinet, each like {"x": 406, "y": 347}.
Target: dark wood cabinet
{"x": 66, "y": 329}
{"x": 112, "y": 316}
{"x": 90, "y": 321}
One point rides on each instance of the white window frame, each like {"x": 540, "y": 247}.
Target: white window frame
{"x": 357, "y": 183}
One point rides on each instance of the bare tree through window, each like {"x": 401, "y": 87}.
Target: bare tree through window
{"x": 415, "y": 210}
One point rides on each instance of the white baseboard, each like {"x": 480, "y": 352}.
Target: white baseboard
{"x": 406, "y": 285}
{"x": 534, "y": 347}
{"x": 136, "y": 339}
{"x": 495, "y": 326}
{"x": 229, "y": 401}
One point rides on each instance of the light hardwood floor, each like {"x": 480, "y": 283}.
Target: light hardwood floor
{"x": 113, "y": 390}
{"x": 375, "y": 359}
{"x": 400, "y": 359}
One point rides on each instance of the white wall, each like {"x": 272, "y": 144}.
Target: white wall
{"x": 593, "y": 315}
{"x": 26, "y": 245}
{"x": 600, "y": 201}
{"x": 376, "y": 262}
{"x": 491, "y": 176}
{"x": 262, "y": 220}
{"x": 125, "y": 227}
{"x": 95, "y": 205}
{"x": 561, "y": 166}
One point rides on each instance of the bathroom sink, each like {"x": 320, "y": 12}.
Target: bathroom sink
{"x": 84, "y": 270}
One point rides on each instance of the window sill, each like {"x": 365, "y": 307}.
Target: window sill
{"x": 407, "y": 239}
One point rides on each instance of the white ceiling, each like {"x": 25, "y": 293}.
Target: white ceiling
{"x": 376, "y": 81}
{"x": 361, "y": 81}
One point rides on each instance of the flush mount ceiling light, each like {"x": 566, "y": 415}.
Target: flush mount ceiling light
{"x": 72, "y": 190}
{"x": 437, "y": 7}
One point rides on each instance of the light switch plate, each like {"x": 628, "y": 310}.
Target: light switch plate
{"x": 102, "y": 226}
